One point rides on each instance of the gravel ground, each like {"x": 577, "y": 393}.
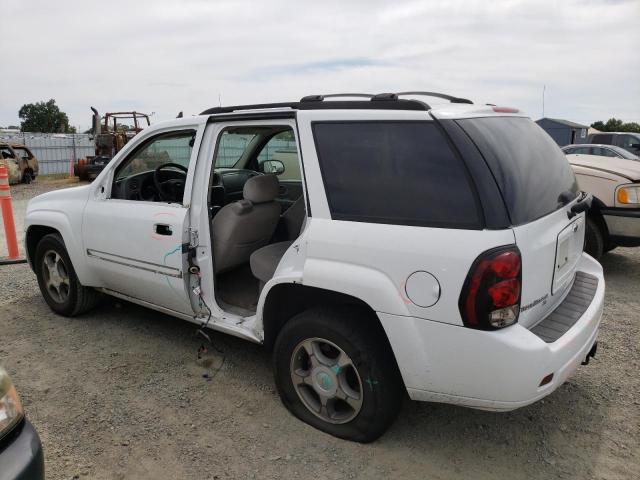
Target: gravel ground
{"x": 118, "y": 393}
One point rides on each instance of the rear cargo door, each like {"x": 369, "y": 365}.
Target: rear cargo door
{"x": 539, "y": 188}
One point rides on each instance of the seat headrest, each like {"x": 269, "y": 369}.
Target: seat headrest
{"x": 261, "y": 189}
{"x": 242, "y": 206}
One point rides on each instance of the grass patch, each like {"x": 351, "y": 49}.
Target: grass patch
{"x": 57, "y": 178}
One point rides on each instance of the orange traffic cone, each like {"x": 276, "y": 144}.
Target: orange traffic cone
{"x": 7, "y": 213}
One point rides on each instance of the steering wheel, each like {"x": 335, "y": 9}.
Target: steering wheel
{"x": 169, "y": 189}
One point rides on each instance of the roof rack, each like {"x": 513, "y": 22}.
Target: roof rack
{"x": 436, "y": 95}
{"x": 319, "y": 98}
{"x": 387, "y": 101}
{"x": 257, "y": 106}
{"x": 312, "y": 104}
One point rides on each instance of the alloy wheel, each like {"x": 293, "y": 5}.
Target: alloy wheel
{"x": 326, "y": 380}
{"x": 56, "y": 276}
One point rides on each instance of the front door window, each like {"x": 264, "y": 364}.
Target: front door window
{"x": 155, "y": 172}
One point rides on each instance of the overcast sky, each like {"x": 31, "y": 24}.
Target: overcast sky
{"x": 166, "y": 56}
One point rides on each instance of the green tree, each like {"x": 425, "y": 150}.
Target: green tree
{"x": 44, "y": 117}
{"x": 616, "y": 125}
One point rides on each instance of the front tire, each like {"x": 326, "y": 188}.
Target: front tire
{"x": 334, "y": 370}
{"x": 58, "y": 281}
{"x": 594, "y": 239}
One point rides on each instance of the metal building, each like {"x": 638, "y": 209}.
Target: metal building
{"x": 564, "y": 132}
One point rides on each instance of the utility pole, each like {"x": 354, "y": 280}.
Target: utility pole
{"x": 544, "y": 87}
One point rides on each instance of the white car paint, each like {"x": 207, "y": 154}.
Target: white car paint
{"x": 439, "y": 359}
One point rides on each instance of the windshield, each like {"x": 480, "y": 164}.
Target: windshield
{"x": 231, "y": 147}
{"x": 529, "y": 167}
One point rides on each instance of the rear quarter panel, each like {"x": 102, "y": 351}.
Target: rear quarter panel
{"x": 372, "y": 261}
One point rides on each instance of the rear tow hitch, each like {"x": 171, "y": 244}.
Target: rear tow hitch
{"x": 591, "y": 354}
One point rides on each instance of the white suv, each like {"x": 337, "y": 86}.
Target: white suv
{"x": 405, "y": 249}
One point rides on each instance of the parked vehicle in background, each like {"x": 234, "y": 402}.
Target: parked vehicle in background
{"x": 600, "y": 150}
{"x": 21, "y": 456}
{"x": 21, "y": 162}
{"x": 431, "y": 251}
{"x": 628, "y": 140}
{"x": 110, "y": 134}
{"x": 614, "y": 182}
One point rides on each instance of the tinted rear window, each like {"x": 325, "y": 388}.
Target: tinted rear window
{"x": 530, "y": 169}
{"x": 394, "y": 172}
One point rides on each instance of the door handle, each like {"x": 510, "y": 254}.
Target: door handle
{"x": 163, "y": 229}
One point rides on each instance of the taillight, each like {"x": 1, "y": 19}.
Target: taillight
{"x": 490, "y": 297}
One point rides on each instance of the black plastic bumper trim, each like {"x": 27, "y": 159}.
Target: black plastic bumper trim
{"x": 570, "y": 310}
{"x": 22, "y": 457}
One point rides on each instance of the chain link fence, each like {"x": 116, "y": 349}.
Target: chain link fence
{"x": 56, "y": 153}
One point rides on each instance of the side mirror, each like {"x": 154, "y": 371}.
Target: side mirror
{"x": 275, "y": 167}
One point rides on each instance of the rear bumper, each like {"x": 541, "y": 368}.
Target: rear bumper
{"x": 623, "y": 225}
{"x": 22, "y": 458}
{"x": 499, "y": 370}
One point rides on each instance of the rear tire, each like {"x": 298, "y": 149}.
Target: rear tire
{"x": 58, "y": 281}
{"x": 594, "y": 239}
{"x": 349, "y": 386}
{"x": 27, "y": 178}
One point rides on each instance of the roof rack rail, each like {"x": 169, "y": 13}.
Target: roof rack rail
{"x": 319, "y": 98}
{"x": 389, "y": 97}
{"x": 444, "y": 96}
{"x": 382, "y": 97}
{"x": 382, "y": 103}
{"x": 256, "y": 106}
{"x": 381, "y": 100}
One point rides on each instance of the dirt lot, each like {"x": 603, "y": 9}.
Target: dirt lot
{"x": 118, "y": 393}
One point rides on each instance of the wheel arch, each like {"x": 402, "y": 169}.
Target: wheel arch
{"x": 285, "y": 300}
{"x": 34, "y": 234}
{"x": 57, "y": 222}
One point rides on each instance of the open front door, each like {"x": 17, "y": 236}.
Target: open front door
{"x": 134, "y": 236}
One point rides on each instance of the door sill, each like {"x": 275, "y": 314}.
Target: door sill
{"x": 234, "y": 329}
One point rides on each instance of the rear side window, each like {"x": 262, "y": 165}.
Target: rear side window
{"x": 530, "y": 169}
{"x": 578, "y": 151}
{"x": 23, "y": 153}
{"x": 402, "y": 173}
{"x": 603, "y": 152}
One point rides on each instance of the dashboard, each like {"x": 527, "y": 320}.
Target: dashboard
{"x": 142, "y": 187}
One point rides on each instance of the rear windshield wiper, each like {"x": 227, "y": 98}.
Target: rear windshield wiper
{"x": 583, "y": 205}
